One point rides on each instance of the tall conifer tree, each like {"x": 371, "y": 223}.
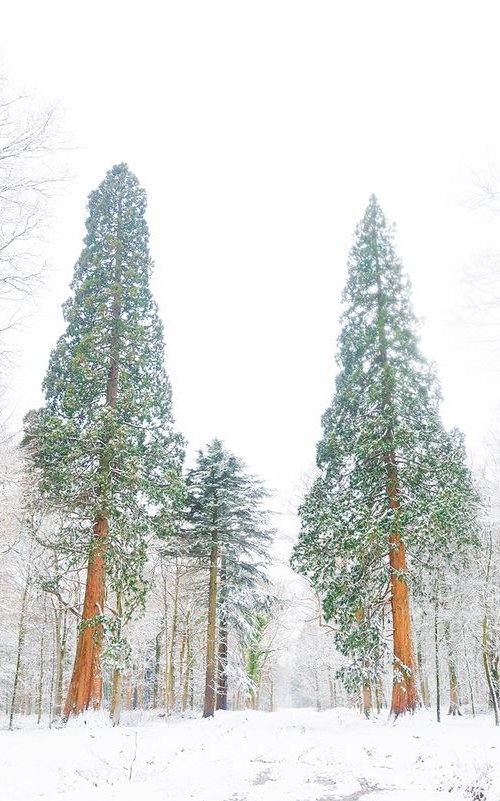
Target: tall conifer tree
{"x": 228, "y": 533}
{"x": 392, "y": 483}
{"x": 103, "y": 447}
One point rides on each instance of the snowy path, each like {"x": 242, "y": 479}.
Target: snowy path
{"x": 290, "y": 755}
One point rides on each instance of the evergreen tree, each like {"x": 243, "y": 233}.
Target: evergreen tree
{"x": 243, "y": 594}
{"x": 393, "y": 485}
{"x": 102, "y": 447}
{"x": 228, "y": 533}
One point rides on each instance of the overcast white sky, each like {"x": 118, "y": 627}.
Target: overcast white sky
{"x": 259, "y": 129}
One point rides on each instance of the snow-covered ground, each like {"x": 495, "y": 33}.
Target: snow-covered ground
{"x": 289, "y": 755}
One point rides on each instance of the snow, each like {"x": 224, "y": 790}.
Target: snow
{"x": 288, "y": 755}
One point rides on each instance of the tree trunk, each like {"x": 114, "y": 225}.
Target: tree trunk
{"x": 173, "y": 640}
{"x": 366, "y": 695}
{"x": 116, "y": 681}
{"x": 187, "y": 668}
{"x": 165, "y": 619}
{"x": 156, "y": 678}
{"x": 41, "y": 672}
{"x": 436, "y": 653}
{"x": 454, "y": 708}
{"x": 182, "y": 662}
{"x": 223, "y": 645}
{"x": 424, "y": 682}
{"x": 404, "y": 696}
{"x": 85, "y": 689}
{"x": 210, "y": 690}
{"x": 367, "y": 700}
{"x": 495, "y": 675}
{"x": 487, "y": 670}
{"x": 20, "y": 643}
{"x": 116, "y": 696}
{"x": 331, "y": 689}
{"x": 222, "y": 686}
{"x": 469, "y": 678}
{"x": 61, "y": 633}
{"x": 486, "y": 647}
{"x": 379, "y": 695}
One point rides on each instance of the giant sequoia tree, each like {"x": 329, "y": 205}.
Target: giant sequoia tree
{"x": 102, "y": 447}
{"x": 393, "y": 485}
{"x": 228, "y": 533}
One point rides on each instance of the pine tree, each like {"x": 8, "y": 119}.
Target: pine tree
{"x": 229, "y": 534}
{"x": 102, "y": 448}
{"x": 393, "y": 485}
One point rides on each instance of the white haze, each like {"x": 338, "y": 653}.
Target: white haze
{"x": 259, "y": 130}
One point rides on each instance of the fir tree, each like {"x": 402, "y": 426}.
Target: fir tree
{"x": 393, "y": 485}
{"x": 102, "y": 447}
{"x": 228, "y": 533}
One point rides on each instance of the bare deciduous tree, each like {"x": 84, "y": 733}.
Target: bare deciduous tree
{"x": 27, "y": 179}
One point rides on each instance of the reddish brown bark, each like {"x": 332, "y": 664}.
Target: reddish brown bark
{"x": 404, "y": 694}
{"x": 85, "y": 689}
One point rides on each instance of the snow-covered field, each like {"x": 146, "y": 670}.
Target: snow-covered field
{"x": 289, "y": 755}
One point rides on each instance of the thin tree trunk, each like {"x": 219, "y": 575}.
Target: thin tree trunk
{"x": 424, "y": 682}
{"x": 140, "y": 691}
{"x": 187, "y": 669}
{"x": 436, "y": 653}
{"x": 41, "y": 671}
{"x": 52, "y": 683}
{"x": 117, "y": 679}
{"x": 367, "y": 700}
{"x": 210, "y": 677}
{"x": 495, "y": 675}
{"x": 454, "y": 708}
{"x": 487, "y": 670}
{"x": 223, "y": 645}
{"x": 486, "y": 642}
{"x": 469, "y": 678}
{"x": 116, "y": 696}
{"x": 366, "y": 694}
{"x": 331, "y": 689}
{"x": 182, "y": 662}
{"x": 165, "y": 617}
{"x": 156, "y": 679}
{"x": 61, "y": 633}
{"x": 20, "y": 643}
{"x": 173, "y": 640}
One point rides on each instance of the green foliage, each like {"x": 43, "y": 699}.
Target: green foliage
{"x": 103, "y": 443}
{"x": 256, "y": 653}
{"x": 384, "y": 417}
{"x": 225, "y": 506}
